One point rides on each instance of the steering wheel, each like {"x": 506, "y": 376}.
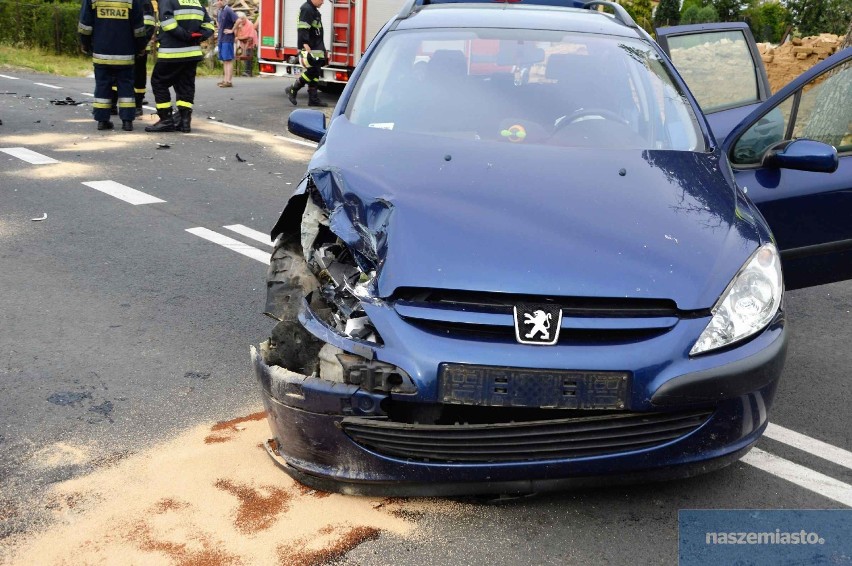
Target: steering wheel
{"x": 584, "y": 112}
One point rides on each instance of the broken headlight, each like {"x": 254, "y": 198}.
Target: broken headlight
{"x": 747, "y": 305}
{"x": 342, "y": 284}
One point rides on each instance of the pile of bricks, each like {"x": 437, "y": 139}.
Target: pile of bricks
{"x": 785, "y": 62}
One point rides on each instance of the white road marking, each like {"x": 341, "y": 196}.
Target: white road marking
{"x": 88, "y": 93}
{"x": 149, "y": 108}
{"x": 298, "y": 142}
{"x": 233, "y": 127}
{"x": 250, "y": 233}
{"x": 28, "y": 155}
{"x": 48, "y": 86}
{"x": 8, "y": 77}
{"x": 810, "y": 445}
{"x": 231, "y": 244}
{"x": 816, "y": 482}
{"x": 123, "y": 192}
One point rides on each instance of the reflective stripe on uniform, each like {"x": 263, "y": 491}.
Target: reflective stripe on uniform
{"x": 303, "y": 25}
{"x": 115, "y": 62}
{"x": 139, "y": 32}
{"x": 120, "y": 58}
{"x": 84, "y": 29}
{"x": 161, "y": 105}
{"x": 139, "y": 90}
{"x": 188, "y": 14}
{"x": 179, "y": 52}
{"x": 208, "y": 25}
{"x": 106, "y": 105}
{"x": 184, "y": 103}
{"x": 167, "y": 25}
{"x": 149, "y": 20}
{"x": 103, "y": 101}
{"x": 111, "y": 4}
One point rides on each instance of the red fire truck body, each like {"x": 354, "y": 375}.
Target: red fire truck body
{"x": 349, "y": 27}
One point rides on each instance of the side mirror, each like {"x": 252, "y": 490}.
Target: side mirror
{"x": 308, "y": 124}
{"x": 802, "y": 155}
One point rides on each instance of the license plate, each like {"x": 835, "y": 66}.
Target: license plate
{"x": 493, "y": 386}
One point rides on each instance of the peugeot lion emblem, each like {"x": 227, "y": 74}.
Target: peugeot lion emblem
{"x": 537, "y": 324}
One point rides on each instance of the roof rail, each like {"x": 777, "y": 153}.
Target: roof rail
{"x": 620, "y": 13}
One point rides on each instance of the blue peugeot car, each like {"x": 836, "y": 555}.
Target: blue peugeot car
{"x": 523, "y": 258}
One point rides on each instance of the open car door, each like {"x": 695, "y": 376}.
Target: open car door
{"x": 793, "y": 157}
{"x": 721, "y": 66}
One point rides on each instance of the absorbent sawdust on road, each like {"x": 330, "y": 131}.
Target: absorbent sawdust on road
{"x": 210, "y": 497}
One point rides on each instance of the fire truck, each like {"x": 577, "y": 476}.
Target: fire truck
{"x": 349, "y": 27}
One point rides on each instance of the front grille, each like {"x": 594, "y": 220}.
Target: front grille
{"x": 522, "y": 441}
{"x": 470, "y": 315}
{"x": 571, "y": 306}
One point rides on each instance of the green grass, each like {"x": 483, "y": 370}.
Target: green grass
{"x": 44, "y": 61}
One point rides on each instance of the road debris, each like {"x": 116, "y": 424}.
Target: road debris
{"x": 163, "y": 146}
{"x": 43, "y": 217}
{"x": 68, "y": 101}
{"x": 240, "y": 159}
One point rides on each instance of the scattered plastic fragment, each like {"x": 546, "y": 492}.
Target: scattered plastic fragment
{"x": 43, "y": 217}
{"x": 210, "y": 169}
{"x": 240, "y": 159}
{"x": 68, "y": 101}
{"x": 163, "y": 146}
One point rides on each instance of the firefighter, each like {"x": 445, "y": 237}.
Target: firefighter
{"x": 140, "y": 62}
{"x": 184, "y": 24}
{"x": 112, "y": 32}
{"x": 313, "y": 54}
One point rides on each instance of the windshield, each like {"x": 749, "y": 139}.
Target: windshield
{"x": 524, "y": 86}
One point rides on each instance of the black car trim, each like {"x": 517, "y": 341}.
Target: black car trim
{"x": 731, "y": 380}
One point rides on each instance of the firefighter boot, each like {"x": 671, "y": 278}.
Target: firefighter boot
{"x": 127, "y": 125}
{"x": 185, "y": 120}
{"x": 105, "y": 125}
{"x": 314, "y": 99}
{"x": 296, "y": 87}
{"x": 165, "y": 124}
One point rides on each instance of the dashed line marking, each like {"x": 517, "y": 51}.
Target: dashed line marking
{"x": 233, "y": 127}
{"x": 88, "y": 93}
{"x": 48, "y": 86}
{"x": 298, "y": 142}
{"x": 8, "y": 77}
{"x": 28, "y": 155}
{"x": 807, "y": 478}
{"x": 810, "y": 445}
{"x": 123, "y": 192}
{"x": 150, "y": 108}
{"x": 250, "y": 233}
{"x": 231, "y": 244}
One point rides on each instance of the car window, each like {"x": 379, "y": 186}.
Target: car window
{"x": 825, "y": 109}
{"x": 702, "y": 58}
{"x": 823, "y": 112}
{"x": 527, "y": 87}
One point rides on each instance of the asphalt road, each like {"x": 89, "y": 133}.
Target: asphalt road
{"x": 121, "y": 329}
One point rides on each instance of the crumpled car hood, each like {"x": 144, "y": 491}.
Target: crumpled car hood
{"x": 437, "y": 212}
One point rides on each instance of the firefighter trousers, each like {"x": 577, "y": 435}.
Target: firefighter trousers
{"x": 122, "y": 77}
{"x": 181, "y": 76}
{"x": 140, "y": 77}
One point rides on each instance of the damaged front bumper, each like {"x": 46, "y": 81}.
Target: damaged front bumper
{"x": 338, "y": 437}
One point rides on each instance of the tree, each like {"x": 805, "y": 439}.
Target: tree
{"x": 847, "y": 42}
{"x": 812, "y": 17}
{"x": 728, "y": 10}
{"x": 690, "y": 15}
{"x": 767, "y": 19}
{"x": 707, "y": 14}
{"x": 640, "y": 11}
{"x": 667, "y": 13}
